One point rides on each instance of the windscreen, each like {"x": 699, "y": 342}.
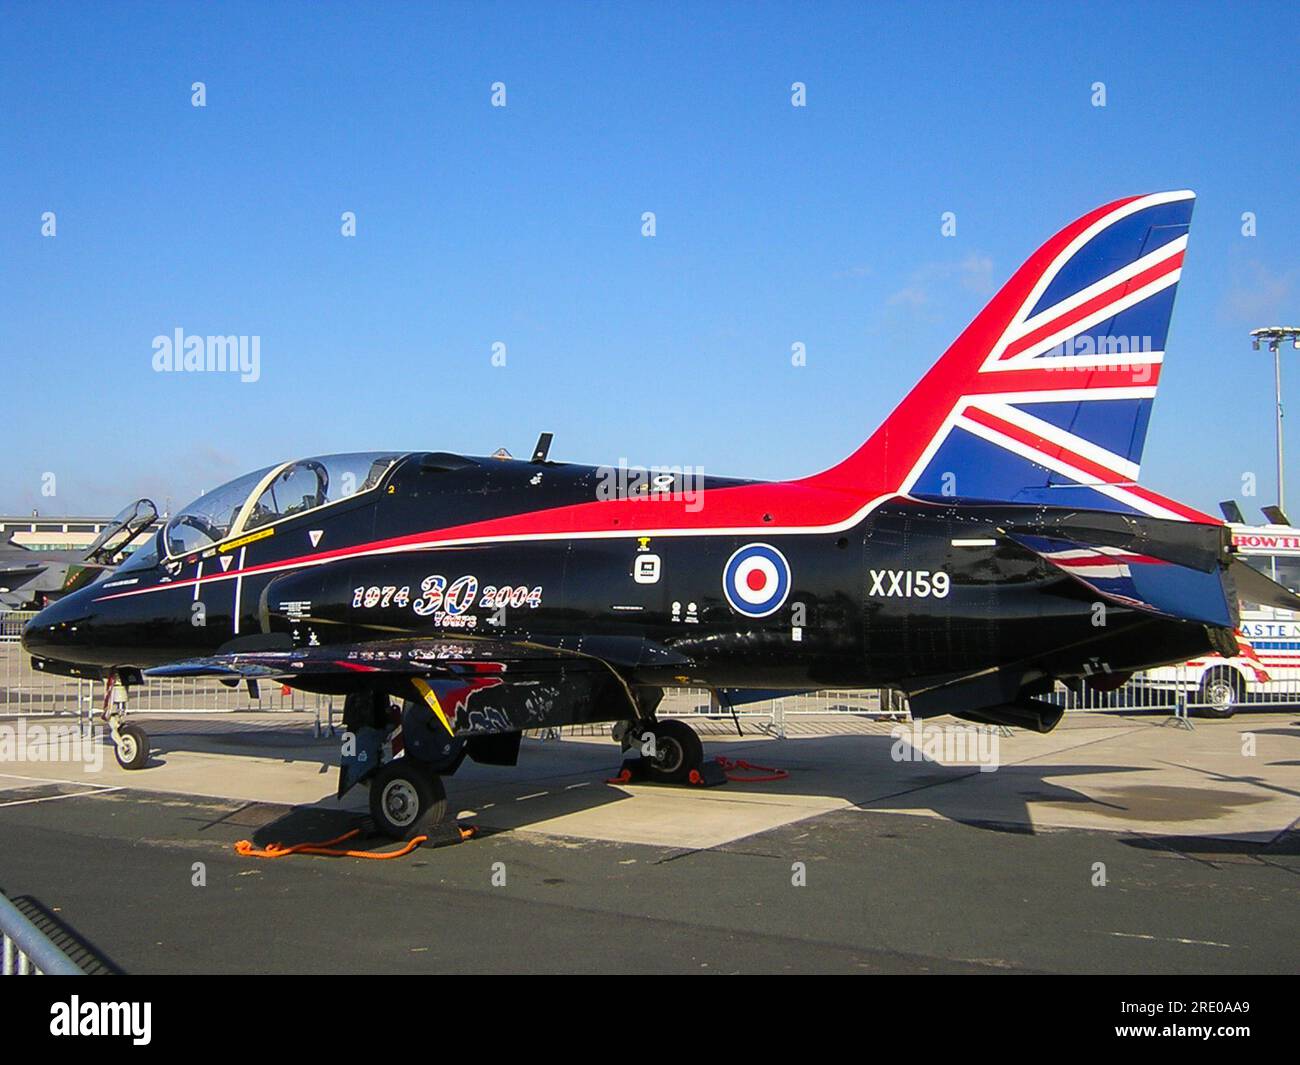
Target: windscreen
{"x": 316, "y": 482}
{"x": 125, "y": 526}
{"x": 210, "y": 517}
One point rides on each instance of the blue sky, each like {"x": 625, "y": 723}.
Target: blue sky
{"x": 522, "y": 225}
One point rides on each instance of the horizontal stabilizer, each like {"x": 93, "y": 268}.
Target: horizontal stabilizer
{"x": 1200, "y": 546}
{"x": 1140, "y": 580}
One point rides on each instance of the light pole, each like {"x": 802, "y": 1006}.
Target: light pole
{"x": 1274, "y": 335}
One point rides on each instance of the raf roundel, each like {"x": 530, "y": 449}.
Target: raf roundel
{"x": 756, "y": 580}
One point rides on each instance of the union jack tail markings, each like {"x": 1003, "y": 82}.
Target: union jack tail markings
{"x": 1051, "y": 387}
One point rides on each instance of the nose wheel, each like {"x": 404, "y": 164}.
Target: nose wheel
{"x": 131, "y": 746}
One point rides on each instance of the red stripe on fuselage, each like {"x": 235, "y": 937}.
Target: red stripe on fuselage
{"x": 823, "y": 502}
{"x": 752, "y": 509}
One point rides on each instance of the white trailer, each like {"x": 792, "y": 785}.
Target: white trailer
{"x": 1267, "y": 669}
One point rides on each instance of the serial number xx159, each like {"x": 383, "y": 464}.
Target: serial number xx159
{"x": 909, "y": 584}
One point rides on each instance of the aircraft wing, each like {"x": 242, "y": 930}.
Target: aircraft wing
{"x": 274, "y": 658}
{"x": 401, "y": 657}
{"x": 470, "y": 684}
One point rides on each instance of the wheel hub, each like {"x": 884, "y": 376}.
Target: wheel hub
{"x": 668, "y": 754}
{"x": 400, "y": 802}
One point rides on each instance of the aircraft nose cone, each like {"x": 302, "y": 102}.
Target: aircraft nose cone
{"x": 55, "y": 630}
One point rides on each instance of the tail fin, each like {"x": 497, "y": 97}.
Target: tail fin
{"x": 1046, "y": 396}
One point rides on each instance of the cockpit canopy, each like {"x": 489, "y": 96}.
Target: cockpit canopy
{"x": 266, "y": 496}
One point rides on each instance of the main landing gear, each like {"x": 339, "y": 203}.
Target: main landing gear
{"x": 406, "y": 794}
{"x": 406, "y": 790}
{"x": 667, "y": 751}
{"x": 130, "y": 742}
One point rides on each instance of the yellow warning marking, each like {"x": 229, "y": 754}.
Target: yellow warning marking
{"x": 431, "y": 700}
{"x": 261, "y": 535}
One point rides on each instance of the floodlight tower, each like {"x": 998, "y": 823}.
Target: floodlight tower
{"x": 1274, "y": 336}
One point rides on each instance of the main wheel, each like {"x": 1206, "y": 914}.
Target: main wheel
{"x": 403, "y": 794}
{"x": 1220, "y": 692}
{"x": 132, "y": 747}
{"x": 677, "y": 751}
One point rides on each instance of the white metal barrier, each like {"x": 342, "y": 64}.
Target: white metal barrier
{"x": 25, "y": 691}
{"x": 1213, "y": 687}
{"x": 27, "y": 951}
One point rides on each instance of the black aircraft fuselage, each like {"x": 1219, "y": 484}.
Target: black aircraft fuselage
{"x": 989, "y": 540}
{"x": 932, "y": 597}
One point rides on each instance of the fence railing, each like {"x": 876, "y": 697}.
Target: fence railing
{"x": 27, "y": 950}
{"x": 12, "y": 622}
{"x": 25, "y": 691}
{"x": 1215, "y": 686}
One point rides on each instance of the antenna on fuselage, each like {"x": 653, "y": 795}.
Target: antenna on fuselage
{"x": 543, "y": 447}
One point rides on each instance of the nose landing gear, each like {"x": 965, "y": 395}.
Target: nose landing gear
{"x": 130, "y": 742}
{"x": 131, "y": 746}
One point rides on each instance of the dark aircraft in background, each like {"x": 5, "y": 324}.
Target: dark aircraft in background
{"x": 988, "y": 540}
{"x": 31, "y": 579}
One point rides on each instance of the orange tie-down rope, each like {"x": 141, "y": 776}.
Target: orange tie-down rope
{"x": 766, "y": 772}
{"x": 327, "y": 847}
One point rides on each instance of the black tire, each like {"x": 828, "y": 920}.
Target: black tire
{"x": 678, "y": 750}
{"x": 1220, "y": 693}
{"x": 133, "y": 750}
{"x": 404, "y": 794}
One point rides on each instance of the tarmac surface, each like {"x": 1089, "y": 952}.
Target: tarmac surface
{"x": 1118, "y": 843}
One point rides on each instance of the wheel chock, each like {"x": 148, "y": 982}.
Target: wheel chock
{"x": 632, "y": 770}
{"x": 447, "y": 832}
{"x": 709, "y": 775}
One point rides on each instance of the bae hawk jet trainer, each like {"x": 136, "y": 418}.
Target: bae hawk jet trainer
{"x": 987, "y": 541}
